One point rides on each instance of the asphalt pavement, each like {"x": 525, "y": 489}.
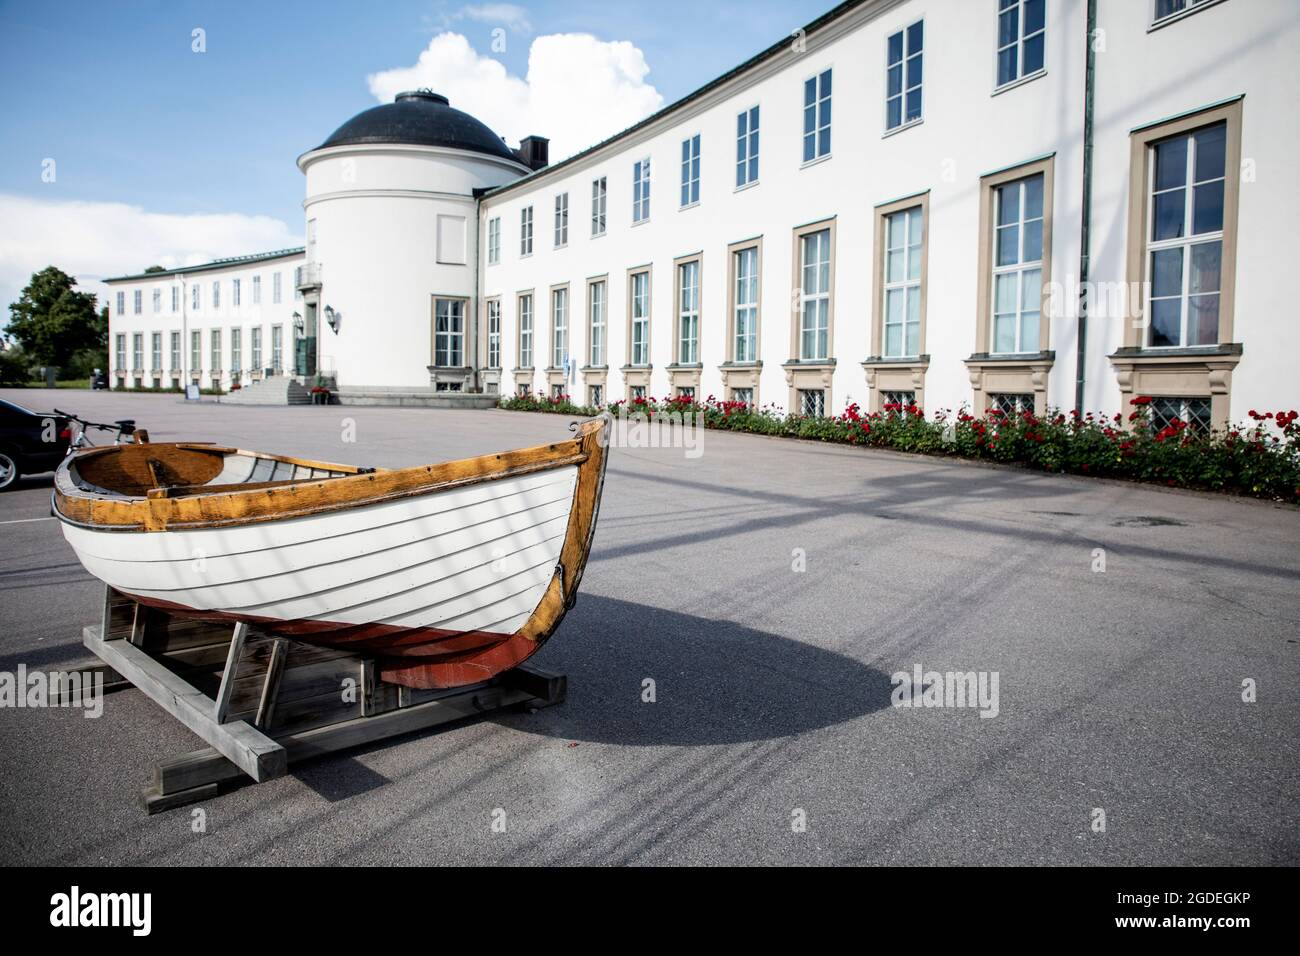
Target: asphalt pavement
{"x": 769, "y": 589}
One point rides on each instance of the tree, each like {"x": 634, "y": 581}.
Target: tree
{"x": 154, "y": 269}
{"x": 53, "y": 321}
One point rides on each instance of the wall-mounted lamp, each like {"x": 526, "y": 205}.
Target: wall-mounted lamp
{"x": 333, "y": 318}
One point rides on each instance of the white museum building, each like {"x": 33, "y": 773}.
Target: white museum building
{"x": 901, "y": 201}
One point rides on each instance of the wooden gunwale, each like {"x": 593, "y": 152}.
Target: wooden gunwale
{"x": 295, "y": 498}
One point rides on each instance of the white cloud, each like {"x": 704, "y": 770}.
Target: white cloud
{"x": 578, "y": 90}
{"x": 506, "y": 14}
{"x": 92, "y": 240}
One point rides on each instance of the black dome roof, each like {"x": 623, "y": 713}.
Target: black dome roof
{"x": 419, "y": 118}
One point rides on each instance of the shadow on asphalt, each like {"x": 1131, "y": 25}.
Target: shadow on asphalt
{"x": 715, "y": 682}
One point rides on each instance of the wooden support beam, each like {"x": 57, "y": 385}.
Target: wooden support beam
{"x": 247, "y": 748}
{"x": 271, "y": 686}
{"x": 222, "y": 709}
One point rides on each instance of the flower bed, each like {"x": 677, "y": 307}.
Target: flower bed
{"x": 1261, "y": 459}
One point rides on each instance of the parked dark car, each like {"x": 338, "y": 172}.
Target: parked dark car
{"x": 98, "y": 381}
{"x": 30, "y": 442}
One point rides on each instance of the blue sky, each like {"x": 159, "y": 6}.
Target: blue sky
{"x": 113, "y": 92}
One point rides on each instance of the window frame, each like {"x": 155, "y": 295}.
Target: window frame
{"x": 1142, "y": 143}
{"x": 879, "y": 306}
{"x": 493, "y": 350}
{"x": 494, "y": 240}
{"x": 689, "y": 192}
{"x": 753, "y": 131}
{"x": 679, "y": 313}
{"x": 452, "y": 336}
{"x": 641, "y": 190}
{"x": 196, "y": 351}
{"x": 601, "y": 360}
{"x": 1193, "y": 7}
{"x": 818, "y": 98}
{"x": 561, "y": 220}
{"x": 174, "y": 341}
{"x": 985, "y": 286}
{"x": 526, "y": 221}
{"x": 633, "y": 274}
{"x": 599, "y": 206}
{"x": 904, "y": 89}
{"x": 801, "y": 300}
{"x": 561, "y": 323}
{"x": 734, "y": 305}
{"x": 528, "y": 342}
{"x": 1019, "y": 45}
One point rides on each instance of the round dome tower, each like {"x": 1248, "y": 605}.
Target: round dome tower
{"x": 389, "y": 282}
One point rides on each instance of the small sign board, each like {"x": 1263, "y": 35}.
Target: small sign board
{"x": 192, "y": 392}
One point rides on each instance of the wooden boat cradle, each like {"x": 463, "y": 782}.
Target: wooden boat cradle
{"x": 264, "y": 702}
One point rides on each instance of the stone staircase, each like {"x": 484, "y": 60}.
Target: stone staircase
{"x": 276, "y": 390}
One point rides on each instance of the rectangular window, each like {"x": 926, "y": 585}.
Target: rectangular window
{"x": 598, "y": 200}
{"x": 137, "y": 351}
{"x": 745, "y": 274}
{"x": 559, "y": 327}
{"x": 255, "y": 346}
{"x": 1194, "y": 412}
{"x": 526, "y": 231}
{"x": 216, "y": 295}
{"x": 121, "y": 303}
{"x": 812, "y": 402}
{"x": 1021, "y": 36}
{"x": 176, "y": 351}
{"x": 561, "y": 220}
{"x": 638, "y": 391}
{"x": 641, "y": 191}
{"x": 902, "y": 283}
{"x": 903, "y": 76}
{"x": 157, "y": 301}
{"x": 494, "y": 333}
{"x": 747, "y": 147}
{"x": 1186, "y": 188}
{"x": 138, "y": 301}
{"x": 235, "y": 285}
{"x": 1168, "y": 9}
{"x": 596, "y": 313}
{"x": 277, "y": 349}
{"x": 897, "y": 401}
{"x": 236, "y": 351}
{"x": 596, "y": 395}
{"x": 494, "y": 240}
{"x": 817, "y": 116}
{"x": 155, "y": 352}
{"x": 688, "y": 312}
{"x": 1017, "y": 265}
{"x": 691, "y": 170}
{"x": 745, "y": 395}
{"x": 1011, "y": 404}
{"x": 815, "y": 296}
{"x": 215, "y": 356}
{"x": 449, "y": 333}
{"x": 639, "y": 318}
{"x": 119, "y": 349}
{"x": 195, "y": 297}
{"x": 257, "y": 290}
{"x": 196, "y": 351}
{"x": 176, "y": 298}
{"x": 275, "y": 288}
{"x": 526, "y": 331}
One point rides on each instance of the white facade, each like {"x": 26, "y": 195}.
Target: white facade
{"x": 215, "y": 324}
{"x": 906, "y": 225}
{"x": 391, "y": 230}
{"x": 972, "y": 137}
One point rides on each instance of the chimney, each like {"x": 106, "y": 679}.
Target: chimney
{"x": 533, "y": 151}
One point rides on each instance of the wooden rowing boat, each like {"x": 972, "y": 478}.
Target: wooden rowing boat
{"x": 448, "y": 573}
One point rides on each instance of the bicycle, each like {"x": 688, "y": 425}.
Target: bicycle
{"x": 123, "y": 431}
